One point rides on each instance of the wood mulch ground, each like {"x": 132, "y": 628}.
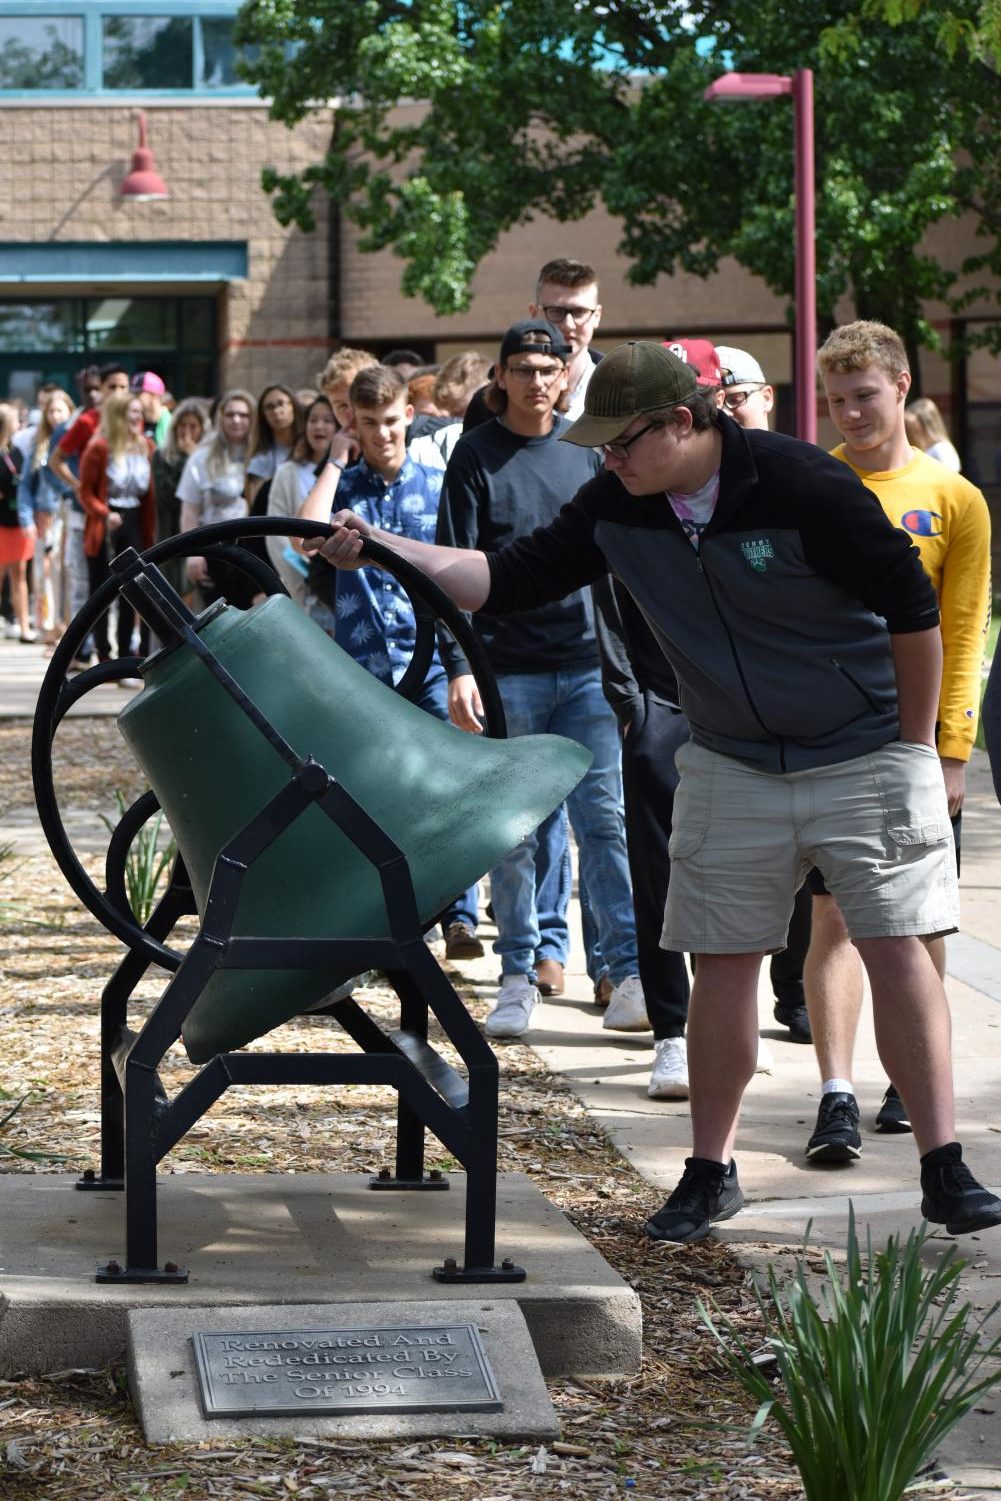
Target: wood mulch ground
{"x": 677, "y": 1429}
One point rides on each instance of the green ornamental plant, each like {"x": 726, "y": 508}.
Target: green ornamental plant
{"x": 869, "y": 1384}
{"x": 148, "y": 862}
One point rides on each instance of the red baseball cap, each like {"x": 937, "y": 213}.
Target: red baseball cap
{"x": 701, "y": 355}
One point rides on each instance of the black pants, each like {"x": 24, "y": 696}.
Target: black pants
{"x": 787, "y": 966}
{"x": 129, "y": 534}
{"x": 649, "y": 782}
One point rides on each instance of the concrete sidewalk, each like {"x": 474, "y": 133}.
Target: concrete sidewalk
{"x": 785, "y": 1195}
{"x": 22, "y": 667}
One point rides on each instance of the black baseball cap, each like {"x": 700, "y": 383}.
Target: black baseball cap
{"x": 534, "y": 336}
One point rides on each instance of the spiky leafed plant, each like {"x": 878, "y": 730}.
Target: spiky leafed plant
{"x": 869, "y": 1384}
{"x": 148, "y": 861}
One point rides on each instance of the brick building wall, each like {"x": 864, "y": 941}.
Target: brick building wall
{"x": 60, "y": 178}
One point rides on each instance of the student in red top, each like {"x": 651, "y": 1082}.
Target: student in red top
{"x": 116, "y": 492}
{"x": 114, "y": 381}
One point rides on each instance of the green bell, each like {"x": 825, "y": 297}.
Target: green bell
{"x": 454, "y": 803}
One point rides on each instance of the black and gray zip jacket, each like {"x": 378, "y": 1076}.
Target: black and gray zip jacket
{"x": 778, "y": 628}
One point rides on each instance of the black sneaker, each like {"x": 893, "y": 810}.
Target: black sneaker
{"x": 951, "y": 1195}
{"x": 797, "y": 1019}
{"x": 892, "y": 1117}
{"x": 708, "y": 1191}
{"x": 835, "y": 1137}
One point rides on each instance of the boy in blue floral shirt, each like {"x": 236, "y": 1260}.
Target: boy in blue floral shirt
{"x": 374, "y": 619}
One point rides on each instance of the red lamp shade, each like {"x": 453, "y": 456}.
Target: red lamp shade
{"x": 143, "y": 183}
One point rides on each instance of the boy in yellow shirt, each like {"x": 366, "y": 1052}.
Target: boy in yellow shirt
{"x": 866, "y": 378}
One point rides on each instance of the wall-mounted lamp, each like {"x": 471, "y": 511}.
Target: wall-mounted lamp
{"x": 143, "y": 183}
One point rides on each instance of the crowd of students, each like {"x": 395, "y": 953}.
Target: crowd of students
{"x": 120, "y": 463}
{"x": 548, "y": 520}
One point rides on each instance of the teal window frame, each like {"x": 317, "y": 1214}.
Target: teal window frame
{"x": 110, "y": 262}
{"x": 176, "y": 360}
{"x": 93, "y": 12}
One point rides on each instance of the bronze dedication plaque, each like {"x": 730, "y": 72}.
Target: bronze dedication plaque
{"x": 411, "y": 1369}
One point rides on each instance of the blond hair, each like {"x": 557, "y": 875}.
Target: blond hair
{"x": 9, "y": 420}
{"x": 924, "y": 423}
{"x": 115, "y": 425}
{"x": 856, "y": 346}
{"x": 342, "y": 367}
{"x": 46, "y": 427}
{"x": 219, "y": 455}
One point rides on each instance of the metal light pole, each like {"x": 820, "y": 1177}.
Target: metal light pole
{"x": 733, "y": 87}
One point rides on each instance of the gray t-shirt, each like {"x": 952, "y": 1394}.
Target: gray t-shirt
{"x": 264, "y": 465}
{"x": 219, "y": 497}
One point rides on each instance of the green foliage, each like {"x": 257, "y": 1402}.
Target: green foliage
{"x": 148, "y": 863}
{"x": 870, "y": 1386}
{"x": 963, "y": 29}
{"x": 965, "y": 39}
{"x": 549, "y": 106}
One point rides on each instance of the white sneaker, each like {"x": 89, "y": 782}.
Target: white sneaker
{"x": 669, "y": 1075}
{"x": 627, "y": 1008}
{"x": 764, "y": 1062}
{"x": 512, "y": 1015}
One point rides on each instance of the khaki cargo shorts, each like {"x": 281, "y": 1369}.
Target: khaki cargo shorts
{"x": 742, "y": 841}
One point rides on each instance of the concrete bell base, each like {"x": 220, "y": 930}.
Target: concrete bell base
{"x": 269, "y": 1239}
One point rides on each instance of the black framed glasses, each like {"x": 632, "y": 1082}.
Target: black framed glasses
{"x": 620, "y": 449}
{"x": 734, "y": 400}
{"x": 546, "y": 373}
{"x": 559, "y": 314}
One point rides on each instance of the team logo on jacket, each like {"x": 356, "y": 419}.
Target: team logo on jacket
{"x": 757, "y": 553}
{"x": 922, "y": 523}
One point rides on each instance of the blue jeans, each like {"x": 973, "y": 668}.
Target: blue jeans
{"x": 593, "y": 958}
{"x": 572, "y": 704}
{"x": 553, "y": 886}
{"x": 553, "y": 890}
{"x": 433, "y": 698}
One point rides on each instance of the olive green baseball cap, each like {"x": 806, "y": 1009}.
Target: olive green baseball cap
{"x": 637, "y": 377}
